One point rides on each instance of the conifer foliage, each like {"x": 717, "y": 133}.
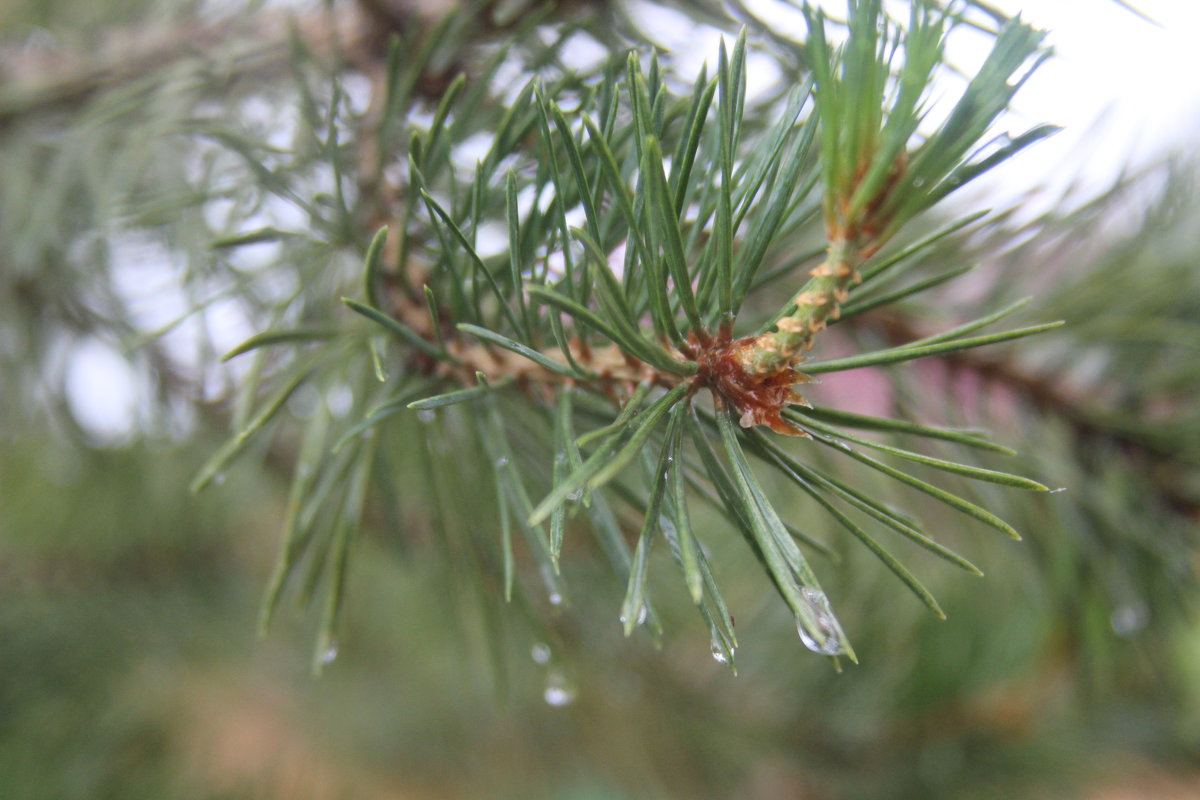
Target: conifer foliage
{"x": 558, "y": 335}
{"x": 585, "y": 290}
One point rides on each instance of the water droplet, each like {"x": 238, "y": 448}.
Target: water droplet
{"x": 426, "y": 415}
{"x": 1058, "y": 490}
{"x": 722, "y": 649}
{"x": 574, "y": 496}
{"x": 558, "y": 692}
{"x": 919, "y": 182}
{"x": 1129, "y": 618}
{"x": 502, "y": 461}
{"x": 540, "y": 653}
{"x": 825, "y": 637}
{"x": 329, "y": 653}
{"x": 640, "y": 617}
{"x": 218, "y": 479}
{"x": 555, "y": 599}
{"x": 670, "y": 459}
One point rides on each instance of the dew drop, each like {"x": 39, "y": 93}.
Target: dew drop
{"x": 558, "y": 692}
{"x": 826, "y": 636}
{"x": 540, "y": 653}
{"x": 1059, "y": 490}
{"x": 502, "y": 461}
{"x": 555, "y": 599}
{"x": 639, "y": 617}
{"x": 1129, "y": 618}
{"x": 574, "y": 496}
{"x": 720, "y": 653}
{"x": 426, "y": 415}
{"x": 218, "y": 479}
{"x": 329, "y": 653}
{"x": 919, "y": 182}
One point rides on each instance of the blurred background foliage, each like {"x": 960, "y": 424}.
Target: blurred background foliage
{"x": 129, "y": 665}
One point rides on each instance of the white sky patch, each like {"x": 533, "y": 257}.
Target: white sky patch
{"x": 491, "y": 238}
{"x": 101, "y": 390}
{"x": 583, "y": 53}
{"x": 1124, "y": 90}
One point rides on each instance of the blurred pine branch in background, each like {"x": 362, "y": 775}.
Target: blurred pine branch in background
{"x": 563, "y": 268}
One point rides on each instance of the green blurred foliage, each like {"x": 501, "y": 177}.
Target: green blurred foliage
{"x": 130, "y": 668}
{"x": 129, "y": 665}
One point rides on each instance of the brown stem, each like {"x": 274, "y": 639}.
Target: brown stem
{"x": 819, "y": 301}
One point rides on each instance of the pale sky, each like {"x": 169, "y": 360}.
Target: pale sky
{"x": 1124, "y": 89}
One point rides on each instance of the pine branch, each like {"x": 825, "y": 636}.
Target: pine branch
{"x": 42, "y": 82}
{"x": 256, "y": 49}
{"x": 634, "y": 310}
{"x": 502, "y": 316}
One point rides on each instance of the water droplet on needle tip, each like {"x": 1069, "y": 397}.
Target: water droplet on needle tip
{"x": 824, "y": 636}
{"x": 558, "y": 692}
